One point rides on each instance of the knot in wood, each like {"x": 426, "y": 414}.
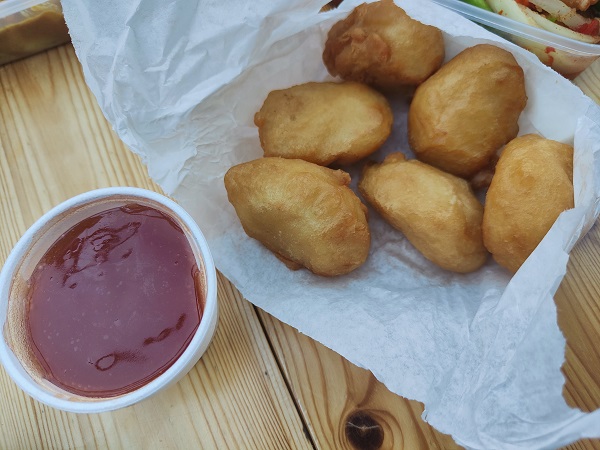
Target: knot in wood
{"x": 363, "y": 432}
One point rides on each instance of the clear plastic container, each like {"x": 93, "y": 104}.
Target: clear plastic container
{"x": 567, "y": 56}
{"x": 30, "y": 26}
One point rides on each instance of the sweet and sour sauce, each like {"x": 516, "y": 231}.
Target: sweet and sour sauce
{"x": 114, "y": 301}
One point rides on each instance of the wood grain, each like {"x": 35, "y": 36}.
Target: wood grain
{"x": 578, "y": 304}
{"x": 346, "y": 407}
{"x": 589, "y": 81}
{"x": 55, "y": 143}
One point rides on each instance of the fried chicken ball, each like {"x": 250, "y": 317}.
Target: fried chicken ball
{"x": 467, "y": 110}
{"x": 379, "y": 44}
{"x": 532, "y": 185}
{"x": 304, "y": 213}
{"x": 324, "y": 123}
{"x": 437, "y": 212}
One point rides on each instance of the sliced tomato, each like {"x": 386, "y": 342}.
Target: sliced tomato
{"x": 523, "y": 2}
{"x": 592, "y": 28}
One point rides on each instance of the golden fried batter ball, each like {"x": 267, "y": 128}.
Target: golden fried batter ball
{"x": 304, "y": 213}
{"x": 532, "y": 185}
{"x": 467, "y": 110}
{"x": 324, "y": 122}
{"x": 437, "y": 212}
{"x": 379, "y": 44}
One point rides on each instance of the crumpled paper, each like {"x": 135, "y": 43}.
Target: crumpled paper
{"x": 180, "y": 82}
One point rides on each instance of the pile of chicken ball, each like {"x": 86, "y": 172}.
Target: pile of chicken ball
{"x": 462, "y": 127}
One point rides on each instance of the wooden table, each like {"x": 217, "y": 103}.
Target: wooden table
{"x": 261, "y": 384}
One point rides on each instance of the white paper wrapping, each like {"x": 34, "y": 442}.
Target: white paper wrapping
{"x": 180, "y": 83}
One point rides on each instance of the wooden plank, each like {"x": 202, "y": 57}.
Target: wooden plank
{"x": 55, "y": 143}
{"x": 589, "y": 81}
{"x": 578, "y": 305}
{"x": 345, "y": 406}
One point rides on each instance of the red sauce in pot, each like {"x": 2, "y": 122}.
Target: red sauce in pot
{"x": 114, "y": 302}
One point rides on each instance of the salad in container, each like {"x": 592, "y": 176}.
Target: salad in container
{"x": 564, "y": 34}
